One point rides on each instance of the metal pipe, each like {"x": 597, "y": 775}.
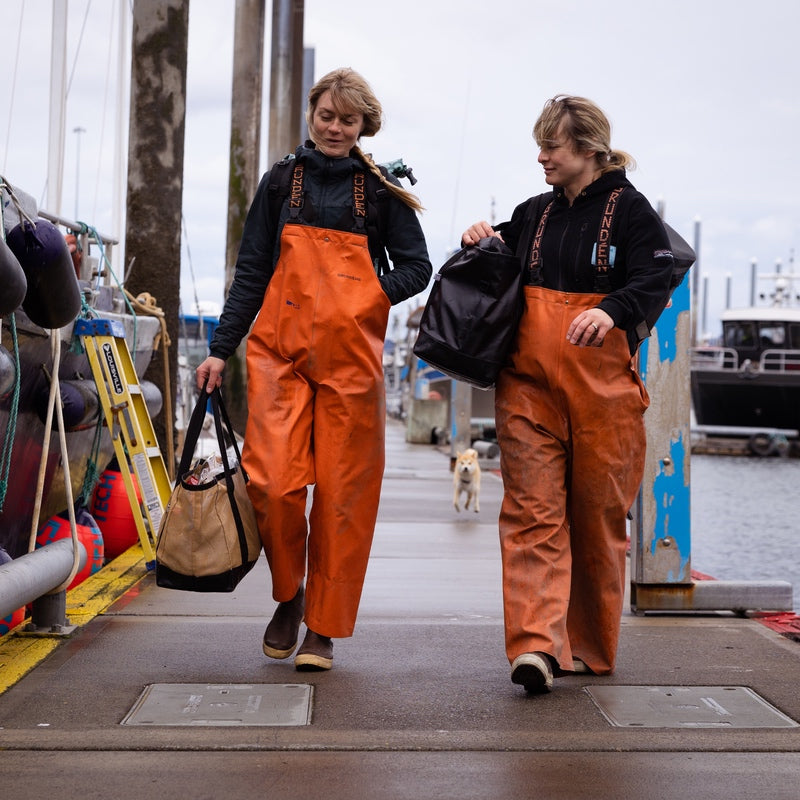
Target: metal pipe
{"x": 34, "y": 574}
{"x": 460, "y": 419}
{"x": 704, "y": 326}
{"x": 695, "y": 282}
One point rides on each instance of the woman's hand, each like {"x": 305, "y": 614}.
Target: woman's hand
{"x": 478, "y": 231}
{"x": 210, "y": 370}
{"x": 590, "y": 328}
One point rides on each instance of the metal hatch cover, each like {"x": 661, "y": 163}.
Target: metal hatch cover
{"x": 196, "y": 704}
{"x": 724, "y": 707}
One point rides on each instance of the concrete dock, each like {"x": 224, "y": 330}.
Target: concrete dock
{"x": 419, "y": 703}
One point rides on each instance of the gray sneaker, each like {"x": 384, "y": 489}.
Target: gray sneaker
{"x": 533, "y": 671}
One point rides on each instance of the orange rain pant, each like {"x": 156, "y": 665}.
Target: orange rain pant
{"x": 316, "y": 416}
{"x": 571, "y": 431}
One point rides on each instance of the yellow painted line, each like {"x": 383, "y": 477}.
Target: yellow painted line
{"x": 20, "y": 651}
{"x": 20, "y": 654}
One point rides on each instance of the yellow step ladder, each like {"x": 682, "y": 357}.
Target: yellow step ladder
{"x": 129, "y": 424}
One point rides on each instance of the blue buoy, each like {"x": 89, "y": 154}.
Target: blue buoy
{"x": 53, "y": 296}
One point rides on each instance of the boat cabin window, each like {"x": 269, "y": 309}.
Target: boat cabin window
{"x": 772, "y": 334}
{"x": 740, "y": 334}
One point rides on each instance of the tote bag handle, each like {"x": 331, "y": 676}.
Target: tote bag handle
{"x": 193, "y": 430}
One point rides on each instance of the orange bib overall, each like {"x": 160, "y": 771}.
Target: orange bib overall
{"x": 571, "y": 430}
{"x": 316, "y": 416}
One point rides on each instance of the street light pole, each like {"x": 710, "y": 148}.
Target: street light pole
{"x": 78, "y": 131}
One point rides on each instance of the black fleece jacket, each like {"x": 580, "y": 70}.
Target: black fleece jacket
{"x": 328, "y": 199}
{"x": 640, "y": 277}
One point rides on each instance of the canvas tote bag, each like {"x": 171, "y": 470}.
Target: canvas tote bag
{"x": 208, "y": 538}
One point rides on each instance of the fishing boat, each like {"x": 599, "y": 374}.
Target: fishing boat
{"x": 749, "y": 383}
{"x": 38, "y": 343}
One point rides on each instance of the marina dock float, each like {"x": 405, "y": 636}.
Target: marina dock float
{"x": 158, "y": 691}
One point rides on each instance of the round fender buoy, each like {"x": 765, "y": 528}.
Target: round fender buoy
{"x": 13, "y": 284}
{"x": 759, "y": 444}
{"x": 151, "y": 395}
{"x": 89, "y": 536}
{"x": 53, "y": 296}
{"x": 112, "y": 510}
{"x": 11, "y": 621}
{"x": 79, "y": 402}
{"x": 768, "y": 444}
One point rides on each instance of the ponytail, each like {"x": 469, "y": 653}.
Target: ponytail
{"x": 615, "y": 159}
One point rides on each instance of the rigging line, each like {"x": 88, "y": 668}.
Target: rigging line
{"x": 459, "y": 164}
{"x": 189, "y": 260}
{"x": 78, "y": 50}
{"x": 13, "y": 86}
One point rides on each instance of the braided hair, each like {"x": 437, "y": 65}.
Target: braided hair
{"x": 350, "y": 92}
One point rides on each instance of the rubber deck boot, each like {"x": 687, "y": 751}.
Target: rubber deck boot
{"x": 316, "y": 653}
{"x": 533, "y": 671}
{"x": 280, "y": 638}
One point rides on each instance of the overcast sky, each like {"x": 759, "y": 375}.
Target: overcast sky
{"x": 705, "y": 94}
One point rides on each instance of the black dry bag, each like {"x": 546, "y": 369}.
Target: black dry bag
{"x": 470, "y": 320}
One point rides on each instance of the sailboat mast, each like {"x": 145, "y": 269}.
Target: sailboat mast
{"x": 58, "y": 108}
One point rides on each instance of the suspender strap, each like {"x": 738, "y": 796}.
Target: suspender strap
{"x": 359, "y": 202}
{"x": 296, "y": 192}
{"x": 603, "y": 253}
{"x": 297, "y": 200}
{"x": 535, "y": 263}
{"x": 603, "y": 258}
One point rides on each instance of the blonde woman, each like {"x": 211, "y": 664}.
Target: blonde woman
{"x": 312, "y": 281}
{"x": 570, "y": 406}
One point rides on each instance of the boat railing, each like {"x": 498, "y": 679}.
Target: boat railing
{"x": 780, "y": 360}
{"x": 714, "y": 357}
{"x": 726, "y": 359}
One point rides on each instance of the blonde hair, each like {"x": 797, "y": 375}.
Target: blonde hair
{"x": 585, "y": 125}
{"x": 351, "y": 93}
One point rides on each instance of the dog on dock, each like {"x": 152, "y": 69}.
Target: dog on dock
{"x": 467, "y": 480}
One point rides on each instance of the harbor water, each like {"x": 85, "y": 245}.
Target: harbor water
{"x": 746, "y": 519}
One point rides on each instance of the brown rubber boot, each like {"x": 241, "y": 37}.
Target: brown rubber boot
{"x": 280, "y": 638}
{"x": 316, "y": 653}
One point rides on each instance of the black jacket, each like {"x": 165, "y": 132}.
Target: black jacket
{"x": 640, "y": 277}
{"x": 328, "y": 192}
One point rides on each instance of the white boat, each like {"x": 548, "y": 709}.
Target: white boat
{"x": 751, "y": 379}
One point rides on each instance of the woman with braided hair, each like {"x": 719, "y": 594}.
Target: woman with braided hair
{"x": 309, "y": 276}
